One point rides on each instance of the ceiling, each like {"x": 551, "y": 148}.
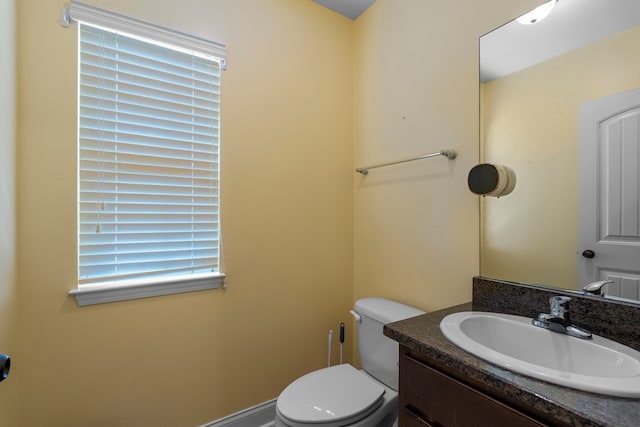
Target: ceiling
{"x": 349, "y": 8}
{"x": 570, "y": 25}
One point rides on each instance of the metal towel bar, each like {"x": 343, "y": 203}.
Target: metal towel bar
{"x": 449, "y": 154}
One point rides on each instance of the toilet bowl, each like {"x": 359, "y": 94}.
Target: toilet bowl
{"x": 335, "y": 397}
{"x": 341, "y": 395}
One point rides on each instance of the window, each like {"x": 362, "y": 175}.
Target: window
{"x": 148, "y": 161}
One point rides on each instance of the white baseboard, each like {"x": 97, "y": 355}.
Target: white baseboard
{"x": 262, "y": 415}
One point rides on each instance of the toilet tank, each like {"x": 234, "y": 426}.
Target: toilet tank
{"x": 379, "y": 354}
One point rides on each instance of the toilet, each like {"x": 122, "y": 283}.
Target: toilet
{"x": 342, "y": 395}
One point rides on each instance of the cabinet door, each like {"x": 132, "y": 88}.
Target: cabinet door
{"x": 439, "y": 400}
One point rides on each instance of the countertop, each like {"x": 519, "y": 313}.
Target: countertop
{"x": 551, "y": 403}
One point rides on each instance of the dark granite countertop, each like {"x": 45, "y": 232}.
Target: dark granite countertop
{"x": 551, "y": 403}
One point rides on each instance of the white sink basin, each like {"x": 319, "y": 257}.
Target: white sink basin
{"x": 597, "y": 365}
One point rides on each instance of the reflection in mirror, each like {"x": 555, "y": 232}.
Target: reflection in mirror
{"x": 535, "y": 79}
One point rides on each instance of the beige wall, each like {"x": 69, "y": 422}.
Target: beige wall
{"x": 188, "y": 359}
{"x": 308, "y": 95}
{"x": 530, "y": 123}
{"x": 9, "y": 325}
{"x": 416, "y": 91}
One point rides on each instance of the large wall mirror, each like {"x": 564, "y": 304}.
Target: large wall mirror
{"x": 535, "y": 82}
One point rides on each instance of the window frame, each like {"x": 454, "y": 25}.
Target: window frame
{"x": 89, "y": 294}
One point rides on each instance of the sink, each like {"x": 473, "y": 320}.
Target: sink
{"x": 596, "y": 365}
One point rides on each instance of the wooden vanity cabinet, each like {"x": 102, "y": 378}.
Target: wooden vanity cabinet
{"x": 429, "y": 397}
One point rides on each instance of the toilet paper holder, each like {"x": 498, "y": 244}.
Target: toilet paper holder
{"x": 5, "y": 366}
{"x": 488, "y": 179}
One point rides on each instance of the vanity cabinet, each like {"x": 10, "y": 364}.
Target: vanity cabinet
{"x": 430, "y": 397}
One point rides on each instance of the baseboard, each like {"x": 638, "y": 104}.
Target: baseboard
{"x": 262, "y": 415}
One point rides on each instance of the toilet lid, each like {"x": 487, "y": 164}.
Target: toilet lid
{"x": 336, "y": 394}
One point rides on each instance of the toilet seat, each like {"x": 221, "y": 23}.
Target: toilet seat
{"x": 332, "y": 397}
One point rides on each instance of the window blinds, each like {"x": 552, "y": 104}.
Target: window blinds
{"x": 148, "y": 159}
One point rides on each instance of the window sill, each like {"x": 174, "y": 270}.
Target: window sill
{"x": 104, "y": 293}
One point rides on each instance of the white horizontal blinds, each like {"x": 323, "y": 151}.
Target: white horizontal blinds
{"x": 148, "y": 159}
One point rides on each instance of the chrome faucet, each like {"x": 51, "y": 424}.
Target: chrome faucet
{"x": 559, "y": 320}
{"x": 596, "y": 288}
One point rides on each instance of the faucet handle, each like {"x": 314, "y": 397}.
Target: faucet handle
{"x": 559, "y": 305}
{"x": 596, "y": 288}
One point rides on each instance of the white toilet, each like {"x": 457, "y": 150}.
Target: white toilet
{"x": 341, "y": 395}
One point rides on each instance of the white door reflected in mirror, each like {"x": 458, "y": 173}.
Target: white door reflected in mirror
{"x": 609, "y": 212}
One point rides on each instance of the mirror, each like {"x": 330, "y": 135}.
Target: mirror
{"x": 533, "y": 80}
